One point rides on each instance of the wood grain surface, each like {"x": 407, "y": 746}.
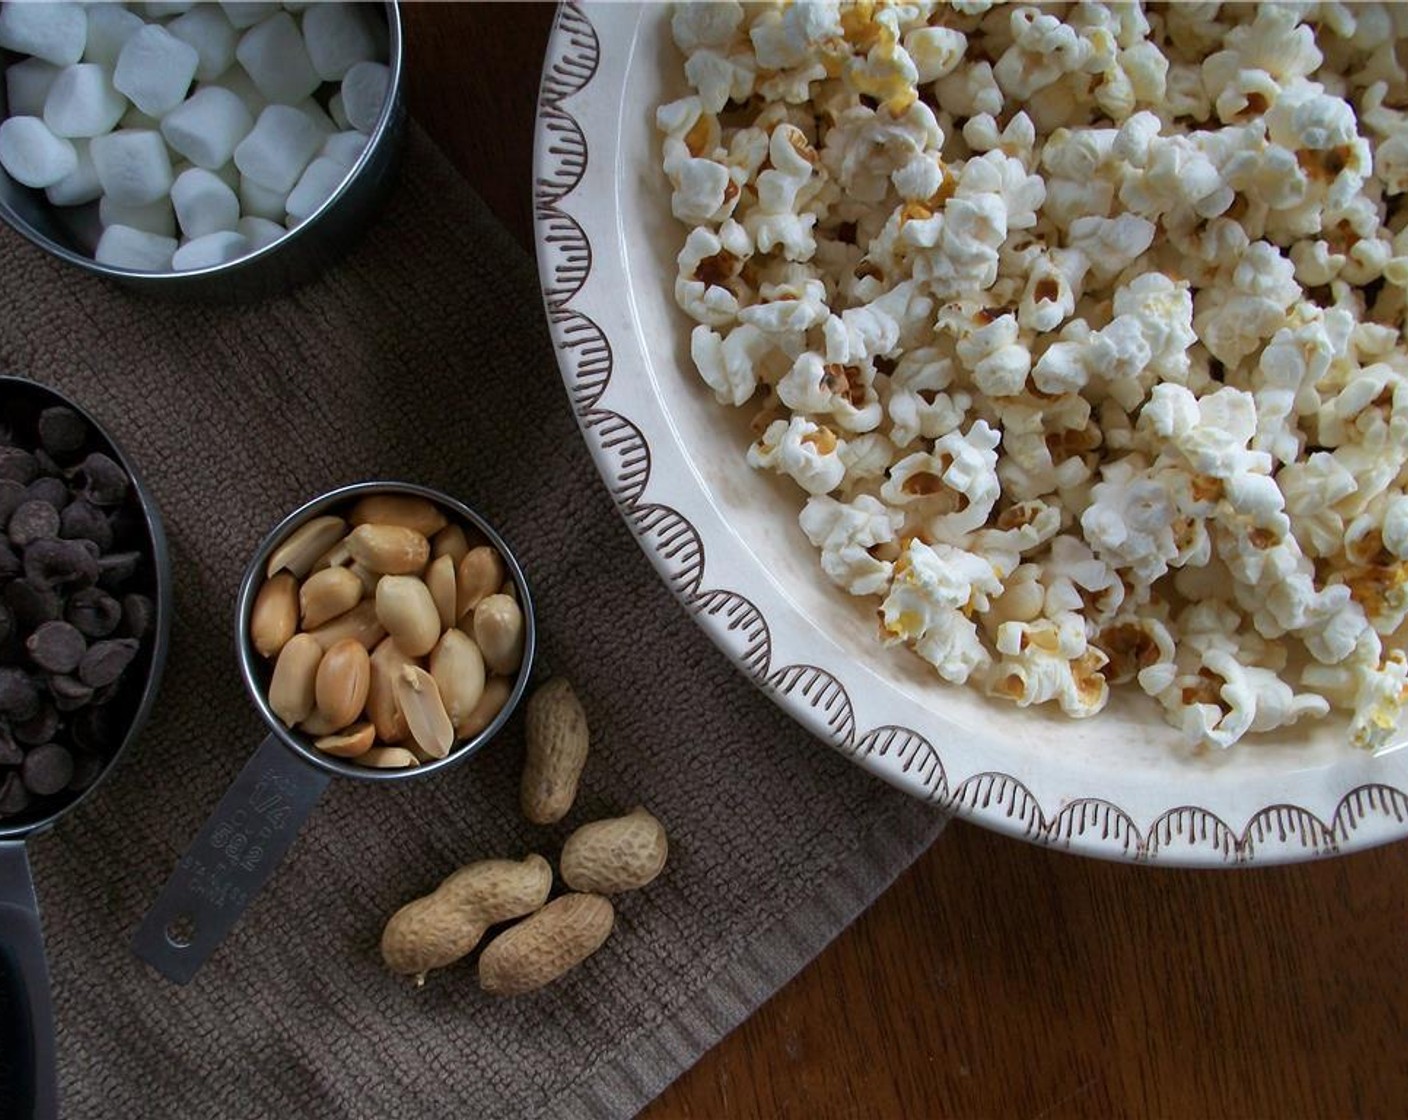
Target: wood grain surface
{"x": 996, "y": 978}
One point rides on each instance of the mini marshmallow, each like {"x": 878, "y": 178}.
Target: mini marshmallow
{"x": 213, "y": 38}
{"x": 154, "y": 217}
{"x": 317, "y": 184}
{"x": 33, "y": 155}
{"x": 278, "y": 148}
{"x": 211, "y": 250}
{"x": 208, "y": 127}
{"x": 310, "y": 108}
{"x": 80, "y": 185}
{"x": 227, "y": 173}
{"x": 273, "y": 54}
{"x": 163, "y": 9}
{"x": 242, "y": 86}
{"x": 345, "y": 148}
{"x": 247, "y": 14}
{"x": 204, "y": 204}
{"x": 27, "y": 84}
{"x": 261, "y": 202}
{"x": 337, "y": 109}
{"x": 82, "y": 102}
{"x": 125, "y": 247}
{"x": 363, "y": 94}
{"x": 135, "y": 118}
{"x": 259, "y": 232}
{"x": 54, "y": 32}
{"x": 338, "y": 36}
{"x": 133, "y": 166}
{"x": 155, "y": 70}
{"x": 109, "y": 27}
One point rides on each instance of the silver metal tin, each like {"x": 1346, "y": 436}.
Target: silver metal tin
{"x": 295, "y": 258}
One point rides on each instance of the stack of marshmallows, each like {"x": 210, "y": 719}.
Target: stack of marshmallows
{"x": 204, "y": 132}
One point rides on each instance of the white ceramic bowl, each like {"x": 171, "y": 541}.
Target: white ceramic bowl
{"x": 726, "y": 540}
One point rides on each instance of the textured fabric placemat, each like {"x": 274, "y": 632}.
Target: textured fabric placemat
{"x": 423, "y": 356}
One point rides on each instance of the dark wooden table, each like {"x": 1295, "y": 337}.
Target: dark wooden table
{"x": 996, "y": 978}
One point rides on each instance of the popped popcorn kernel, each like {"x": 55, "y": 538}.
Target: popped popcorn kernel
{"x": 1080, "y": 327}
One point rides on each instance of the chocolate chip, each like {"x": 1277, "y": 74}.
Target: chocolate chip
{"x": 45, "y": 465}
{"x": 101, "y": 480}
{"x": 19, "y": 696}
{"x": 117, "y": 568}
{"x": 106, "y": 661}
{"x": 94, "y": 613}
{"x": 33, "y": 521}
{"x": 86, "y": 768}
{"x": 82, "y": 520}
{"x": 14, "y": 798}
{"x": 57, "y": 647}
{"x": 138, "y": 614}
{"x": 55, "y": 563}
{"x": 69, "y": 692}
{"x": 47, "y": 769}
{"x": 12, "y": 496}
{"x": 107, "y": 694}
{"x": 54, "y": 491}
{"x": 94, "y": 729}
{"x": 10, "y": 752}
{"x": 31, "y": 604}
{"x": 62, "y": 432}
{"x": 39, "y": 728}
{"x": 17, "y": 465}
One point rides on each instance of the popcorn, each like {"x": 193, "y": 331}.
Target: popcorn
{"x": 708, "y": 265}
{"x": 969, "y": 90}
{"x": 1116, "y": 328}
{"x": 932, "y": 591}
{"x": 935, "y": 51}
{"x": 1110, "y": 245}
{"x": 728, "y": 363}
{"x": 1379, "y": 703}
{"x": 918, "y": 405}
{"x": 1043, "y": 50}
{"x": 847, "y": 534}
{"x": 808, "y": 452}
{"x": 845, "y": 393}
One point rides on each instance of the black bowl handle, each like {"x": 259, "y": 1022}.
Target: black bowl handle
{"x": 229, "y": 861}
{"x": 28, "y": 1082}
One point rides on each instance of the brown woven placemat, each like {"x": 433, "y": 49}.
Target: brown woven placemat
{"x": 423, "y": 356}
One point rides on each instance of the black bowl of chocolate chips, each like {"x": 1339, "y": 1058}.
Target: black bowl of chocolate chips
{"x": 85, "y": 615}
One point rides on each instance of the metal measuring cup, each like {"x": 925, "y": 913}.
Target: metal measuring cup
{"x": 257, "y": 820}
{"x": 27, "y": 1028}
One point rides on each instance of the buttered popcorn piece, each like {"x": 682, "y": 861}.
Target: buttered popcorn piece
{"x": 1081, "y": 328}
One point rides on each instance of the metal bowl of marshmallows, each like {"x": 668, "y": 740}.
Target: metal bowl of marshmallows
{"x": 198, "y": 151}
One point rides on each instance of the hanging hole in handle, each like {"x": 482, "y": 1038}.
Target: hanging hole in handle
{"x": 180, "y": 931}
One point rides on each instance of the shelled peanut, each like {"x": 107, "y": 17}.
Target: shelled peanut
{"x": 393, "y": 632}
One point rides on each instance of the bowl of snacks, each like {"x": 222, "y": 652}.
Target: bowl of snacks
{"x": 1020, "y": 399}
{"x": 223, "y": 151}
{"x": 85, "y": 614}
{"x": 385, "y": 633}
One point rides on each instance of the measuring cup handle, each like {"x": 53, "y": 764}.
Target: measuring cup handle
{"x": 229, "y": 861}
{"x": 27, "y": 1032}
